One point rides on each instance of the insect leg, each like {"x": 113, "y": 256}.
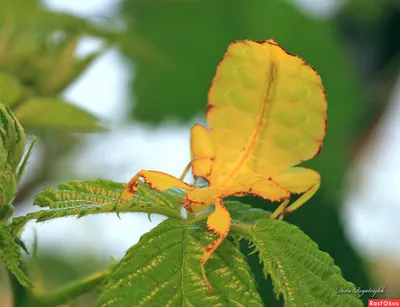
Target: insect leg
{"x": 157, "y": 181}
{"x": 202, "y": 151}
{"x": 186, "y": 170}
{"x": 298, "y": 180}
{"x": 264, "y": 188}
{"x": 280, "y": 209}
{"x": 302, "y": 199}
{"x": 219, "y": 223}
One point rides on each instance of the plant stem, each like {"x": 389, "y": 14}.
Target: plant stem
{"x": 20, "y": 294}
{"x": 70, "y": 291}
{"x": 240, "y": 229}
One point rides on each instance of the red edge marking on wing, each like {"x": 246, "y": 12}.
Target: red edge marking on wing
{"x": 207, "y": 176}
{"x": 209, "y": 247}
{"x": 216, "y": 232}
{"x": 132, "y": 186}
{"x": 148, "y": 182}
{"x": 250, "y": 192}
{"x": 207, "y": 179}
{"x": 187, "y": 202}
{"x": 272, "y": 42}
{"x": 151, "y": 185}
{"x": 321, "y": 141}
{"x": 211, "y": 106}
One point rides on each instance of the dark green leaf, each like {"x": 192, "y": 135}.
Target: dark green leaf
{"x": 303, "y": 274}
{"x": 243, "y": 213}
{"x": 163, "y": 269}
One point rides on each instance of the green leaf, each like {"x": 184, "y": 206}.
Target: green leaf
{"x": 77, "y": 193}
{"x": 102, "y": 191}
{"x": 10, "y": 255}
{"x": 56, "y": 114}
{"x": 163, "y": 269}
{"x": 303, "y": 274}
{"x": 242, "y": 213}
{"x": 10, "y": 90}
{"x": 81, "y": 198}
{"x": 80, "y": 211}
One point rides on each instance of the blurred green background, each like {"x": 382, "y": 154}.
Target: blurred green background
{"x": 168, "y": 51}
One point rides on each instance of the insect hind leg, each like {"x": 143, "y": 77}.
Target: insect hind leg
{"x": 297, "y": 180}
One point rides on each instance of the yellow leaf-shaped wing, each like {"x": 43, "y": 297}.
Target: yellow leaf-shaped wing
{"x": 266, "y": 112}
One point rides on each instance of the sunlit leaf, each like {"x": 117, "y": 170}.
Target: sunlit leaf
{"x": 82, "y": 198}
{"x": 78, "y": 193}
{"x": 165, "y": 263}
{"x": 100, "y": 191}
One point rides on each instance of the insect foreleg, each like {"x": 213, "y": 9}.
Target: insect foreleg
{"x": 157, "y": 181}
{"x": 185, "y": 171}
